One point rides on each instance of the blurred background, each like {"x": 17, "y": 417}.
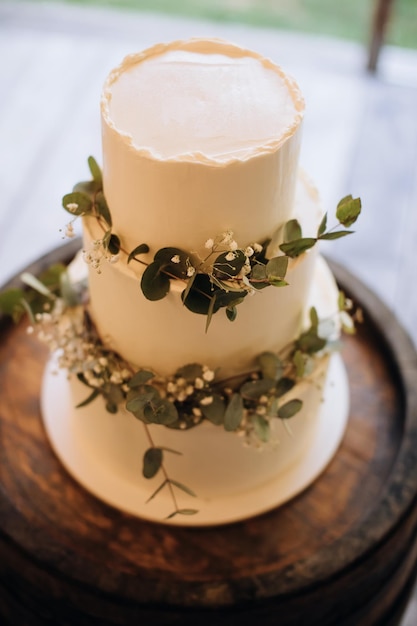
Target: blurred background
{"x": 356, "y": 63}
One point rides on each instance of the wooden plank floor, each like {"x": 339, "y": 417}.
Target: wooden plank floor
{"x": 360, "y": 132}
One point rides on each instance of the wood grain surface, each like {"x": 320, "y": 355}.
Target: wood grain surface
{"x": 342, "y": 553}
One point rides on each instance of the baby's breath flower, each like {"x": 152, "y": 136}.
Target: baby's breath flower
{"x": 176, "y": 258}
{"x": 226, "y": 237}
{"x": 116, "y": 378}
{"x": 209, "y": 244}
{"x": 230, "y": 256}
{"x": 171, "y": 387}
{"x": 190, "y": 271}
{"x": 69, "y": 231}
{"x": 206, "y": 401}
{"x": 199, "y": 383}
{"x": 197, "y": 412}
{"x": 233, "y": 245}
{"x": 208, "y": 375}
{"x": 257, "y": 247}
{"x": 249, "y": 251}
{"x": 72, "y": 207}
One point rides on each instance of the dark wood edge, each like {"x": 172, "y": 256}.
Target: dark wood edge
{"x": 401, "y": 490}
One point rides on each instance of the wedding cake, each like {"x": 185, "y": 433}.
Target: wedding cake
{"x": 207, "y": 293}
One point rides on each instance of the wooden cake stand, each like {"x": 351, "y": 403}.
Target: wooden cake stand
{"x": 344, "y": 552}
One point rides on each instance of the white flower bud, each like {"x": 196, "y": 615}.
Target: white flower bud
{"x": 206, "y": 401}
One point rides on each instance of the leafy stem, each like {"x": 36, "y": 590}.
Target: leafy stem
{"x": 152, "y": 463}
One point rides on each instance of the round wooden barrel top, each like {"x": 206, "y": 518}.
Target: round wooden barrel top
{"x": 343, "y": 552}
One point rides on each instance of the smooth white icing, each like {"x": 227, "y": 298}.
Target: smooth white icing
{"x": 159, "y": 194}
{"x": 164, "y": 335}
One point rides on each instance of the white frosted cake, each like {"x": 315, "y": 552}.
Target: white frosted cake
{"x": 200, "y": 241}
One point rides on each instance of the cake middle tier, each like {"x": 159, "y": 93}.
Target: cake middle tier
{"x": 165, "y": 335}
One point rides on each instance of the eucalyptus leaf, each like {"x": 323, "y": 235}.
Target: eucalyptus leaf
{"x": 348, "y": 210}
{"x": 323, "y": 225}
{"x": 31, "y": 281}
{"x": 289, "y": 409}
{"x": 177, "y": 268}
{"x": 292, "y": 231}
{"x": 234, "y": 413}
{"x": 182, "y": 512}
{"x": 284, "y": 385}
{"x": 155, "y": 493}
{"x": 258, "y": 277}
{"x": 152, "y": 461}
{"x": 82, "y": 200}
{"x": 262, "y": 428}
{"x": 11, "y": 303}
{"x": 138, "y": 397}
{"x": 154, "y": 284}
{"x": 310, "y": 342}
{"x": 95, "y": 169}
{"x": 211, "y": 310}
{"x": 190, "y": 372}
{"x": 88, "y": 187}
{"x": 336, "y": 235}
{"x": 93, "y": 395}
{"x": 314, "y": 318}
{"x": 271, "y": 365}
{"x": 51, "y": 277}
{"x": 140, "y": 378}
{"x": 111, "y": 407}
{"x": 276, "y": 268}
{"x": 189, "y": 286}
{"x": 197, "y": 299}
{"x": 182, "y": 487}
{"x": 214, "y": 412}
{"x": 114, "y": 394}
{"x": 143, "y": 248}
{"x": 231, "y": 313}
{"x": 102, "y": 208}
{"x": 294, "y": 248}
{"x": 254, "y": 389}
{"x": 160, "y": 411}
{"x": 114, "y": 244}
{"x": 299, "y": 363}
{"x": 225, "y": 267}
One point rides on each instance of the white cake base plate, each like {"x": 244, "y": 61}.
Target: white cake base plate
{"x": 79, "y": 450}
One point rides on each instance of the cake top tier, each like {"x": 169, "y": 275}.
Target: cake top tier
{"x": 201, "y": 100}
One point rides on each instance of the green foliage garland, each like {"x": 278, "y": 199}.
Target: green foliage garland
{"x": 221, "y": 280}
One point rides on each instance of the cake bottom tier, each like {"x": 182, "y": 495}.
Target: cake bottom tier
{"x": 104, "y": 451}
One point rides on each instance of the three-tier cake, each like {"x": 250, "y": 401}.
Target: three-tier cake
{"x": 204, "y": 279}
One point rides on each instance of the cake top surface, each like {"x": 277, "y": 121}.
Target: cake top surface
{"x": 201, "y": 98}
